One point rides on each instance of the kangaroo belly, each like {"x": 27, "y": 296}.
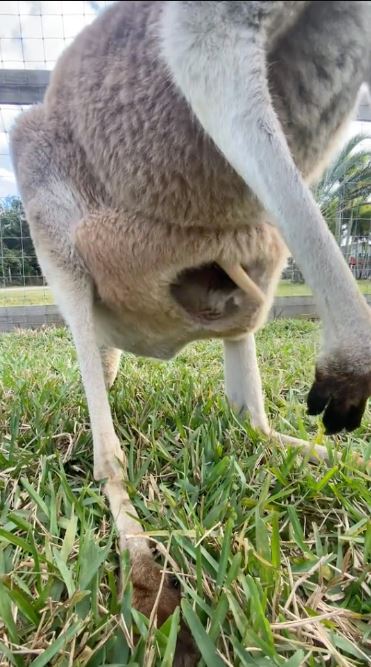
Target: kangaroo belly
{"x": 159, "y": 286}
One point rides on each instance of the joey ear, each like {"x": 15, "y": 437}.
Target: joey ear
{"x": 241, "y": 278}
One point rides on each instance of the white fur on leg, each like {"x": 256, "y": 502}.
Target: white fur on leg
{"x": 75, "y": 300}
{"x": 243, "y": 385}
{"x": 314, "y": 451}
{"x": 74, "y": 296}
{"x": 244, "y": 391}
{"x": 111, "y": 361}
{"x": 108, "y": 455}
{"x": 126, "y": 519}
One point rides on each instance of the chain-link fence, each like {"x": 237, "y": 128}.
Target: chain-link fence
{"x": 344, "y": 196}
{"x": 32, "y": 36}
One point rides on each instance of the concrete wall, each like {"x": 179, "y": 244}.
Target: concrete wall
{"x": 34, "y": 317}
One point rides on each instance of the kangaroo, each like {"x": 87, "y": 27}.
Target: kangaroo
{"x": 165, "y": 178}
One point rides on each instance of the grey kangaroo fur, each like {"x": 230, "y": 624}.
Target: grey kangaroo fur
{"x": 165, "y": 176}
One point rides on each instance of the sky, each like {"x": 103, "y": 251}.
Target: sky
{"x": 32, "y": 36}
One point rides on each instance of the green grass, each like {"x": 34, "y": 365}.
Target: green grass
{"x": 287, "y": 288}
{"x": 32, "y": 296}
{"x": 25, "y": 296}
{"x": 273, "y": 551}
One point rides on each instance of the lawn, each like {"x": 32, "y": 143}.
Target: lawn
{"x": 31, "y": 296}
{"x": 272, "y": 551}
{"x": 25, "y": 296}
{"x": 287, "y": 288}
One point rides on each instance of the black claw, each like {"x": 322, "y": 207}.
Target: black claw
{"x": 174, "y": 582}
{"x": 332, "y": 430}
{"x": 354, "y": 416}
{"x": 317, "y": 400}
{"x": 335, "y": 418}
{"x": 341, "y": 397}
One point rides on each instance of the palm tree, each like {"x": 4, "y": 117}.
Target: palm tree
{"x": 344, "y": 196}
{"x": 344, "y": 192}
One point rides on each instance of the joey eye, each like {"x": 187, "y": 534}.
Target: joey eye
{"x": 174, "y": 582}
